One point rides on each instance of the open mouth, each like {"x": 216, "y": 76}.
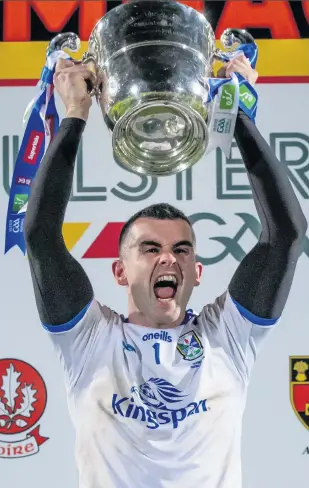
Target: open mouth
{"x": 165, "y": 287}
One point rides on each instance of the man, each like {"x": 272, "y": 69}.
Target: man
{"x": 157, "y": 398}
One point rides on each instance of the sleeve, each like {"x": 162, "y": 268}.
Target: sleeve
{"x": 240, "y": 333}
{"x": 263, "y": 279}
{"x": 61, "y": 287}
{"x": 76, "y": 342}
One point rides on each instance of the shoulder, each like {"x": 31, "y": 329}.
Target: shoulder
{"x": 93, "y": 315}
{"x": 212, "y": 312}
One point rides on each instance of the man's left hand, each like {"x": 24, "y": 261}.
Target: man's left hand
{"x": 240, "y": 65}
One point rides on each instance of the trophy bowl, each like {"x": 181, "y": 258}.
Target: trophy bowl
{"x": 152, "y": 60}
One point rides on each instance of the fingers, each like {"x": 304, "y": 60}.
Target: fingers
{"x": 230, "y": 68}
{"x": 240, "y": 64}
{"x": 63, "y": 63}
{"x": 241, "y": 58}
{"x": 234, "y": 65}
{"x": 68, "y": 69}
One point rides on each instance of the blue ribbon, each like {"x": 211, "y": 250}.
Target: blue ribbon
{"x": 248, "y": 97}
{"x": 41, "y": 126}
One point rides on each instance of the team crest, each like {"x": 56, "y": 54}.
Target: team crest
{"x": 22, "y": 403}
{"x": 189, "y": 346}
{"x": 299, "y": 387}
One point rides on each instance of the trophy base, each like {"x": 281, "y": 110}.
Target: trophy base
{"x": 159, "y": 138}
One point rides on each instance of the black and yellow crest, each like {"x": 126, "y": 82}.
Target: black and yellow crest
{"x": 299, "y": 387}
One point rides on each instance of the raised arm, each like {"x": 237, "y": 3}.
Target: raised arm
{"x": 262, "y": 281}
{"x": 62, "y": 288}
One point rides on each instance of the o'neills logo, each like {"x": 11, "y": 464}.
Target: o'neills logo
{"x": 22, "y": 403}
{"x": 33, "y": 147}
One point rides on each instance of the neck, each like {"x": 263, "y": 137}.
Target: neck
{"x": 135, "y": 316}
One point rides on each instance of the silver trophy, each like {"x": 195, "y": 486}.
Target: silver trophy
{"x": 152, "y": 60}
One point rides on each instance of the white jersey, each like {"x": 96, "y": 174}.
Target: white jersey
{"x": 159, "y": 408}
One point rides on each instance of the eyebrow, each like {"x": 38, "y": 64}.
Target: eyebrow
{"x": 157, "y": 244}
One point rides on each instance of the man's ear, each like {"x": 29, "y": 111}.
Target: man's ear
{"x": 119, "y": 273}
{"x": 198, "y": 271}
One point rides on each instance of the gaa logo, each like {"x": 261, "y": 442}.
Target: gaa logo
{"x": 222, "y": 126}
{"x": 16, "y": 225}
{"x": 23, "y": 399}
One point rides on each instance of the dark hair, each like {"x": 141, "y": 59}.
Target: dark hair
{"x": 161, "y": 211}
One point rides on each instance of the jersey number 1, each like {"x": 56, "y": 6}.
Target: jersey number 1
{"x": 156, "y": 347}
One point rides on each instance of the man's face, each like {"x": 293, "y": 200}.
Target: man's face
{"x": 159, "y": 269}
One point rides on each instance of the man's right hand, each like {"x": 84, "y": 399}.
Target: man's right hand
{"x": 70, "y": 83}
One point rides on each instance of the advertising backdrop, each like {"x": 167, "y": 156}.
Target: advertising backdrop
{"x": 216, "y": 196}
{"x": 36, "y": 434}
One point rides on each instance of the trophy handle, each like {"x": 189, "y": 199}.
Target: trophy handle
{"x": 237, "y": 40}
{"x": 90, "y": 60}
{"x": 68, "y": 39}
{"x": 71, "y": 41}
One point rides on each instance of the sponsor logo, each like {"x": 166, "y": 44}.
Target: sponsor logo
{"x": 158, "y": 336}
{"x": 33, "y": 147}
{"x": 189, "y": 346}
{"x": 154, "y": 403}
{"x": 247, "y": 98}
{"x": 299, "y": 387}
{"x": 22, "y": 403}
{"x": 128, "y": 347}
{"x": 227, "y": 97}
{"x": 16, "y": 225}
{"x": 50, "y": 126}
{"x": 20, "y": 200}
{"x": 197, "y": 364}
{"x": 22, "y": 180}
{"x": 222, "y": 126}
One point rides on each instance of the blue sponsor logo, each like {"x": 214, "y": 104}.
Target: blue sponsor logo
{"x": 158, "y": 336}
{"x": 158, "y": 393}
{"x": 197, "y": 364}
{"x": 128, "y": 347}
{"x": 152, "y": 403}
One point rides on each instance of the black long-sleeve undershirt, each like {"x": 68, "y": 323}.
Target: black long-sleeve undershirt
{"x": 262, "y": 280}
{"x": 61, "y": 286}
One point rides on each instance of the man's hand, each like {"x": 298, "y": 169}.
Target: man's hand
{"x": 70, "y": 83}
{"x": 240, "y": 65}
